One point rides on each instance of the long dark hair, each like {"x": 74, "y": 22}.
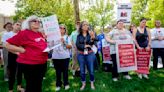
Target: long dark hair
{"x": 81, "y": 25}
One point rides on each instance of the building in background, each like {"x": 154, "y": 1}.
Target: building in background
{"x": 3, "y": 20}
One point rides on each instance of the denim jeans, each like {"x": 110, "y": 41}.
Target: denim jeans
{"x": 86, "y": 60}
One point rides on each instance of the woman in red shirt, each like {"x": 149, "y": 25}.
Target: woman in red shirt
{"x": 30, "y": 44}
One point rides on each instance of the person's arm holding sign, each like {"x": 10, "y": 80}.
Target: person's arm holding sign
{"x": 68, "y": 45}
{"x": 108, "y": 38}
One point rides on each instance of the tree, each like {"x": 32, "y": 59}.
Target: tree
{"x": 155, "y": 12}
{"x": 99, "y": 13}
{"x": 138, "y": 10}
{"x": 62, "y": 8}
{"x": 76, "y": 10}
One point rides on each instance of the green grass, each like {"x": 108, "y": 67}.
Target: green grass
{"x": 103, "y": 83}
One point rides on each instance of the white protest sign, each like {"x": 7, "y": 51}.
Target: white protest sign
{"x": 124, "y": 12}
{"x": 52, "y": 31}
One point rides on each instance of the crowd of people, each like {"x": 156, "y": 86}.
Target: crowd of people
{"x": 23, "y": 45}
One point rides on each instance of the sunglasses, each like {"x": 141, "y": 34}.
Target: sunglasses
{"x": 35, "y": 21}
{"x": 62, "y": 28}
{"x": 85, "y": 25}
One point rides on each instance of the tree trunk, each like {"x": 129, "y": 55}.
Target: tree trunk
{"x": 76, "y": 10}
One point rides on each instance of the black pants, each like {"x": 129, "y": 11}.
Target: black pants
{"x": 34, "y": 76}
{"x": 156, "y": 53}
{"x": 45, "y": 69}
{"x": 13, "y": 70}
{"x": 61, "y": 66}
{"x": 114, "y": 68}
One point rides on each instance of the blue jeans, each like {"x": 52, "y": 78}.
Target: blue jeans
{"x": 86, "y": 60}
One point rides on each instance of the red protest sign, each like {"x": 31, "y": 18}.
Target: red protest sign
{"x": 126, "y": 55}
{"x": 143, "y": 61}
{"x": 126, "y": 58}
{"x": 106, "y": 53}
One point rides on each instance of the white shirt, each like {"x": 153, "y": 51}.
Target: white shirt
{"x": 62, "y": 52}
{"x": 7, "y": 35}
{"x": 115, "y": 34}
{"x": 155, "y": 32}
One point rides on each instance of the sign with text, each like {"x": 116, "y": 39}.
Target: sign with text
{"x": 124, "y": 12}
{"x": 52, "y": 31}
{"x": 125, "y": 53}
{"x": 106, "y": 52}
{"x": 143, "y": 61}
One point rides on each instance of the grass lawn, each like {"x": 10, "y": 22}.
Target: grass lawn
{"x": 103, "y": 83}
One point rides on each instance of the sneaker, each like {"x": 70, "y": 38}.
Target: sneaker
{"x": 140, "y": 76}
{"x": 115, "y": 79}
{"x": 6, "y": 79}
{"x": 82, "y": 87}
{"x": 44, "y": 78}
{"x": 92, "y": 87}
{"x": 145, "y": 76}
{"x": 51, "y": 65}
{"x": 127, "y": 77}
{"x": 57, "y": 89}
{"x": 67, "y": 87}
{"x": 73, "y": 72}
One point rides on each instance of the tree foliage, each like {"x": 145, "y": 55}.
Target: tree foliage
{"x": 150, "y": 9}
{"x": 100, "y": 13}
{"x": 138, "y": 10}
{"x": 155, "y": 12}
{"x": 62, "y": 8}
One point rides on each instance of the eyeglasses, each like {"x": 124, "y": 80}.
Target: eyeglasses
{"x": 85, "y": 25}
{"x": 35, "y": 21}
{"x": 18, "y": 24}
{"x": 62, "y": 28}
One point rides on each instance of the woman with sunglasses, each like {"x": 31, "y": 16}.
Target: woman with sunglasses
{"x": 86, "y": 56}
{"x": 30, "y": 44}
{"x": 61, "y": 58}
{"x": 142, "y": 38}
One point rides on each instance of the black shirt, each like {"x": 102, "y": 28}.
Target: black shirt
{"x": 82, "y": 41}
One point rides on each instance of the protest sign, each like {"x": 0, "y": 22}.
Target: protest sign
{"x": 52, "y": 31}
{"x": 143, "y": 61}
{"x": 125, "y": 53}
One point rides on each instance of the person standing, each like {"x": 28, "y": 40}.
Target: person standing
{"x": 12, "y": 64}
{"x": 61, "y": 58}
{"x": 157, "y": 37}
{"x": 86, "y": 56}
{"x": 73, "y": 37}
{"x": 8, "y": 28}
{"x": 30, "y": 44}
{"x": 142, "y": 37}
{"x": 119, "y": 33}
